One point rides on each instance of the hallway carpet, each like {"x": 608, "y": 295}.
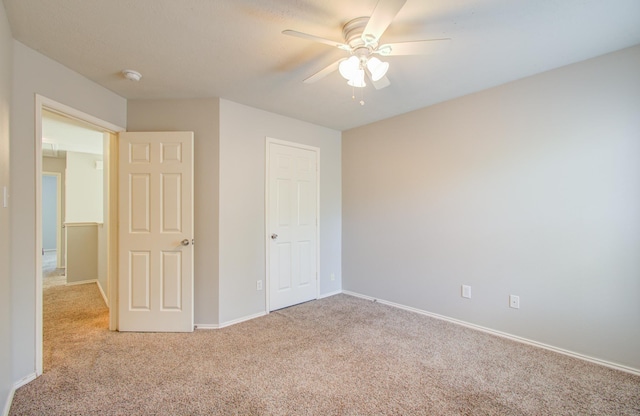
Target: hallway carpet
{"x": 51, "y": 274}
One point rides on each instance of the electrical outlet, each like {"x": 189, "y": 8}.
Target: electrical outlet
{"x": 514, "y": 301}
{"x": 332, "y": 276}
{"x": 259, "y": 285}
{"x": 466, "y": 291}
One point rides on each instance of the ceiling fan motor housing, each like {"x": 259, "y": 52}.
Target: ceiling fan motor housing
{"x": 352, "y": 33}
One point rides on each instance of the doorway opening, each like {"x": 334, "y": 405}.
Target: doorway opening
{"x": 73, "y": 213}
{"x": 96, "y": 215}
{"x": 53, "y": 269}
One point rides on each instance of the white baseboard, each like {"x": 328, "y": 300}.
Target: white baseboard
{"x": 24, "y": 380}
{"x": 207, "y": 326}
{"x": 7, "y": 405}
{"x": 327, "y": 295}
{"x": 516, "y": 338}
{"x": 229, "y": 323}
{"x": 248, "y": 318}
{"x": 82, "y": 282}
{"x": 104, "y": 296}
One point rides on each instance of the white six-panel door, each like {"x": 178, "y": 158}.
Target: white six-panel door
{"x": 292, "y": 230}
{"x": 155, "y": 284}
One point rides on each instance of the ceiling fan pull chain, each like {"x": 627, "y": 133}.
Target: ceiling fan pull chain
{"x": 353, "y": 94}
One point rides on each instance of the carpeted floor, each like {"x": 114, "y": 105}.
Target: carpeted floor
{"x": 336, "y": 356}
{"x": 51, "y": 274}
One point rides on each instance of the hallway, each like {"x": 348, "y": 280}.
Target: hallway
{"x": 51, "y": 275}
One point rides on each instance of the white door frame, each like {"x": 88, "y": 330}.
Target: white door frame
{"x": 58, "y": 177}
{"x": 267, "y": 238}
{"x": 44, "y": 103}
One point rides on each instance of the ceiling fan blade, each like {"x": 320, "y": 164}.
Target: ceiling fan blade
{"x": 316, "y": 39}
{"x": 381, "y": 18}
{"x": 381, "y": 83}
{"x": 417, "y": 47}
{"x": 323, "y": 72}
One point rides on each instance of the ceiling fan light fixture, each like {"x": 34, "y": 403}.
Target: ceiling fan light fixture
{"x": 377, "y": 68}
{"x": 357, "y": 80}
{"x": 349, "y": 67}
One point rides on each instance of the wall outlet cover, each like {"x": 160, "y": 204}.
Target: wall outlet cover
{"x": 466, "y": 291}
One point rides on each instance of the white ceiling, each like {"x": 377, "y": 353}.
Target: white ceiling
{"x": 235, "y": 50}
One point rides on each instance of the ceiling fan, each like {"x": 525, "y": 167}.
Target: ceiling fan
{"x": 362, "y": 42}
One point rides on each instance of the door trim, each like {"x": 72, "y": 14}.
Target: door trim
{"x": 268, "y": 142}
{"x": 44, "y": 103}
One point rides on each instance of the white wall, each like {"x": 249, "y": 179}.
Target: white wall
{"x": 33, "y": 73}
{"x": 243, "y": 132}
{"x": 201, "y": 117}
{"x": 6, "y": 61}
{"x": 84, "y": 188}
{"x": 531, "y": 188}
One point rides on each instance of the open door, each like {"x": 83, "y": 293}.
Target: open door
{"x": 155, "y": 283}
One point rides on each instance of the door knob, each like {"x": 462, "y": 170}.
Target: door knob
{"x": 185, "y": 242}
{"x": 274, "y": 236}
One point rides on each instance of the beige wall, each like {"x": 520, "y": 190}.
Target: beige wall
{"x": 82, "y": 252}
{"x": 531, "y": 188}
{"x": 201, "y": 117}
{"x": 6, "y": 60}
{"x": 52, "y": 164}
{"x": 33, "y": 73}
{"x": 84, "y": 188}
{"x": 243, "y": 133}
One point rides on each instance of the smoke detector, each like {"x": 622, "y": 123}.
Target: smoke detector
{"x": 131, "y": 75}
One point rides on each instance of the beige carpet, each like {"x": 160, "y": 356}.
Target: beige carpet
{"x": 51, "y": 275}
{"x": 336, "y": 356}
